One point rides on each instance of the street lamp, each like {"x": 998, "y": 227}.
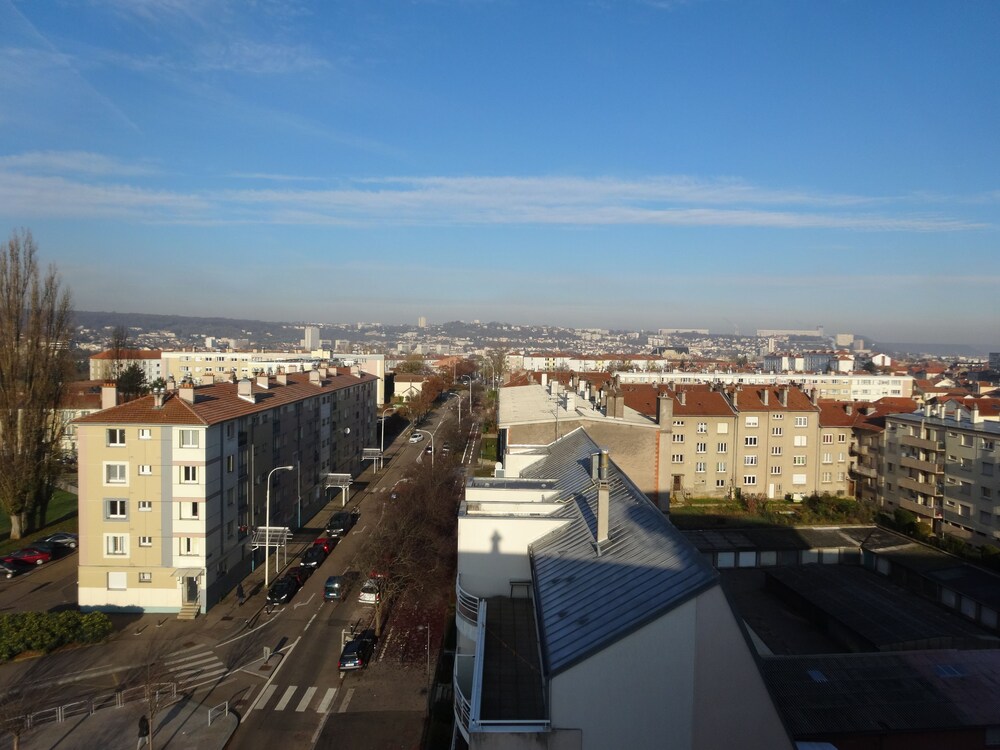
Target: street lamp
{"x": 427, "y": 628}
{"x": 391, "y": 408}
{"x": 470, "y": 392}
{"x": 267, "y": 524}
{"x": 431, "y": 436}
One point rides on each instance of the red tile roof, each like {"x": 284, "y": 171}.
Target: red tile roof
{"x": 129, "y": 354}
{"x": 219, "y": 402}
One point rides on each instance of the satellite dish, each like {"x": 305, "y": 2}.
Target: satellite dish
{"x": 347, "y": 430}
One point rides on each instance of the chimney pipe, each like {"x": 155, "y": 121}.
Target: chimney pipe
{"x": 263, "y": 380}
{"x": 603, "y": 499}
{"x": 682, "y": 397}
{"x": 767, "y": 395}
{"x": 783, "y": 396}
{"x": 158, "y": 398}
{"x": 187, "y": 392}
{"x": 109, "y": 395}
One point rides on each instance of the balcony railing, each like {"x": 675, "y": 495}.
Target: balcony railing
{"x": 924, "y": 488}
{"x": 931, "y": 467}
{"x": 467, "y": 605}
{"x": 915, "y": 442}
{"x": 865, "y": 471}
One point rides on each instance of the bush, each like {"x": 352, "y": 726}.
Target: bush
{"x": 47, "y": 631}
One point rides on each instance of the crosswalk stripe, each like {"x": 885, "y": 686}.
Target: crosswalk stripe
{"x": 347, "y": 700}
{"x": 265, "y": 696}
{"x": 304, "y": 703}
{"x": 286, "y": 697}
{"x": 327, "y": 700}
{"x": 190, "y": 657}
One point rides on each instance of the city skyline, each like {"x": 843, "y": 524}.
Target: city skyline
{"x": 631, "y": 164}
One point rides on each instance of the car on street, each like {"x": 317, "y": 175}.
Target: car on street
{"x": 334, "y": 588}
{"x": 14, "y": 568}
{"x": 357, "y": 653}
{"x": 31, "y": 555}
{"x": 371, "y": 591}
{"x": 64, "y": 538}
{"x": 429, "y": 449}
{"x": 313, "y": 557}
{"x": 416, "y": 437}
{"x": 55, "y": 550}
{"x": 283, "y": 590}
{"x": 326, "y": 543}
{"x": 341, "y": 522}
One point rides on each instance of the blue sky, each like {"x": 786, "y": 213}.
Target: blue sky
{"x": 615, "y": 163}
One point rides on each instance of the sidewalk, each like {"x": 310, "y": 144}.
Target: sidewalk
{"x": 180, "y": 726}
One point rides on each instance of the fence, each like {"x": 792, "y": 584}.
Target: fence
{"x": 166, "y": 692}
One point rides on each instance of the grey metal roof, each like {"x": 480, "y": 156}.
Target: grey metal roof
{"x": 785, "y": 538}
{"x": 583, "y": 601}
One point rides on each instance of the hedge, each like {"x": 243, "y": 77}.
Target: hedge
{"x": 47, "y": 631}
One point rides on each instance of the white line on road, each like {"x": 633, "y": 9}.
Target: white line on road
{"x": 347, "y": 700}
{"x": 327, "y": 700}
{"x": 309, "y": 623}
{"x": 280, "y": 706}
{"x": 264, "y": 697}
{"x": 304, "y": 703}
{"x": 276, "y": 670}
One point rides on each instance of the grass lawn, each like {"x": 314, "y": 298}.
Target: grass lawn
{"x": 60, "y": 516}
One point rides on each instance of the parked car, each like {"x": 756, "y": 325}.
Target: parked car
{"x": 341, "y": 522}
{"x": 283, "y": 590}
{"x": 64, "y": 538}
{"x": 416, "y": 437}
{"x": 357, "y": 653}
{"x": 55, "y": 550}
{"x": 371, "y": 591}
{"x": 334, "y": 588}
{"x": 313, "y": 557}
{"x": 32, "y": 555}
{"x": 14, "y": 568}
{"x": 300, "y": 574}
{"x": 429, "y": 449}
{"x": 326, "y": 543}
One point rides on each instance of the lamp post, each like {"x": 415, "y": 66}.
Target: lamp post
{"x": 470, "y": 392}
{"x": 431, "y": 436}
{"x": 267, "y": 524}
{"x": 391, "y": 408}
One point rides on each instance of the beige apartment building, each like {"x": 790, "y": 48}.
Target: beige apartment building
{"x": 173, "y": 485}
{"x": 942, "y": 464}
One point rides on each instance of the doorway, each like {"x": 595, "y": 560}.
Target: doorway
{"x": 190, "y": 589}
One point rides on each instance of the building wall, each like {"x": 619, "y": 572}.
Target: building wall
{"x": 493, "y": 551}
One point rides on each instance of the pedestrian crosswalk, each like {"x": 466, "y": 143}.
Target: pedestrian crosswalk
{"x": 193, "y": 668}
{"x": 291, "y": 699}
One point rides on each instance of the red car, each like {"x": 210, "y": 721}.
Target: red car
{"x": 326, "y": 542}
{"x": 29, "y": 555}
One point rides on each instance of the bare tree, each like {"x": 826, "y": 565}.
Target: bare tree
{"x": 15, "y": 708}
{"x": 498, "y": 363}
{"x": 118, "y": 348}
{"x": 35, "y": 325}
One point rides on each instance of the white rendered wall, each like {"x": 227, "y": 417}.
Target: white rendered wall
{"x": 493, "y": 551}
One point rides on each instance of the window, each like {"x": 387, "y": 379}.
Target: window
{"x": 966, "y": 464}
{"x": 841, "y": 457}
{"x": 699, "y": 467}
{"x": 116, "y": 473}
{"x": 187, "y": 546}
{"x": 702, "y": 428}
{"x": 145, "y": 505}
{"x": 677, "y": 458}
{"x": 722, "y": 428}
{"x": 145, "y": 469}
{"x": 720, "y": 467}
{"x": 966, "y": 440}
{"x": 230, "y": 528}
{"x": 116, "y": 437}
{"x": 965, "y": 488}
{"x": 827, "y": 477}
{"x": 750, "y": 441}
{"x": 776, "y": 431}
{"x": 777, "y": 415}
{"x": 145, "y": 433}
{"x": 145, "y": 576}
{"x": 800, "y": 441}
{"x": 701, "y": 447}
{"x": 723, "y": 448}
{"x": 750, "y": 479}
{"x": 145, "y": 541}
{"x": 230, "y": 463}
{"x": 802, "y": 421}
{"x": 189, "y": 438}
{"x": 189, "y": 474}
{"x": 117, "y": 581}
{"x": 116, "y": 508}
{"x": 230, "y": 430}
{"x": 798, "y": 460}
{"x": 986, "y": 492}
{"x": 988, "y": 445}
{"x": 775, "y": 450}
{"x": 798, "y": 479}
{"x": 775, "y": 471}
{"x": 828, "y": 458}
{"x": 987, "y": 469}
{"x": 750, "y": 460}
{"x": 827, "y": 438}
{"x": 750, "y": 422}
{"x": 720, "y": 483}
{"x": 678, "y": 437}
{"x": 230, "y": 495}
{"x": 841, "y": 438}
{"x": 115, "y": 544}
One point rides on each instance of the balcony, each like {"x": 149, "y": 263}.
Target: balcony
{"x": 865, "y": 471}
{"x": 924, "y": 511}
{"x": 929, "y": 467}
{"x": 925, "y": 445}
{"x": 860, "y": 450}
{"x": 932, "y": 489}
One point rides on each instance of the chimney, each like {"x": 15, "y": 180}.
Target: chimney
{"x": 171, "y": 384}
{"x": 545, "y": 379}
{"x": 927, "y": 410}
{"x": 570, "y": 401}
{"x": 244, "y": 389}
{"x": 263, "y": 381}
{"x": 766, "y": 396}
{"x": 976, "y": 418}
{"x": 849, "y": 409}
{"x": 814, "y": 396}
{"x": 158, "y": 394}
{"x": 187, "y": 392}
{"x": 664, "y": 410}
{"x": 282, "y": 378}
{"x": 736, "y": 396}
{"x": 109, "y": 395}
{"x": 315, "y": 378}
{"x": 595, "y": 466}
{"x": 783, "y": 395}
{"x": 208, "y": 380}
{"x": 682, "y": 397}
{"x": 603, "y": 499}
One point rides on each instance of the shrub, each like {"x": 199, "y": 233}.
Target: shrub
{"x": 47, "y": 631}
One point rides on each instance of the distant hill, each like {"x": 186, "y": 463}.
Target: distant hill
{"x": 192, "y": 330}
{"x": 935, "y": 350}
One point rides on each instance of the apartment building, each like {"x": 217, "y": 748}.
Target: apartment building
{"x": 172, "y": 485}
{"x": 149, "y": 361}
{"x": 942, "y": 464}
{"x": 586, "y": 621}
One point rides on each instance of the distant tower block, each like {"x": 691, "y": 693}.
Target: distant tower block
{"x": 421, "y": 322}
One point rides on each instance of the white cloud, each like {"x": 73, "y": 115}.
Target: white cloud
{"x": 83, "y": 162}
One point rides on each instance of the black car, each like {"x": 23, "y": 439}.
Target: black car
{"x": 11, "y": 568}
{"x": 313, "y": 557}
{"x": 357, "y": 653}
{"x": 56, "y": 550}
{"x": 340, "y": 523}
{"x": 62, "y": 538}
{"x": 283, "y": 590}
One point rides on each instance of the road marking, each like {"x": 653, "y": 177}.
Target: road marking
{"x": 302, "y": 604}
{"x": 304, "y": 703}
{"x": 324, "y": 704}
{"x": 347, "y": 700}
{"x": 286, "y": 697}
{"x": 264, "y": 697}
{"x": 276, "y": 670}
{"x": 309, "y": 623}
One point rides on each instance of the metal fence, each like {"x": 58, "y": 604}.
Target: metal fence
{"x": 165, "y": 693}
